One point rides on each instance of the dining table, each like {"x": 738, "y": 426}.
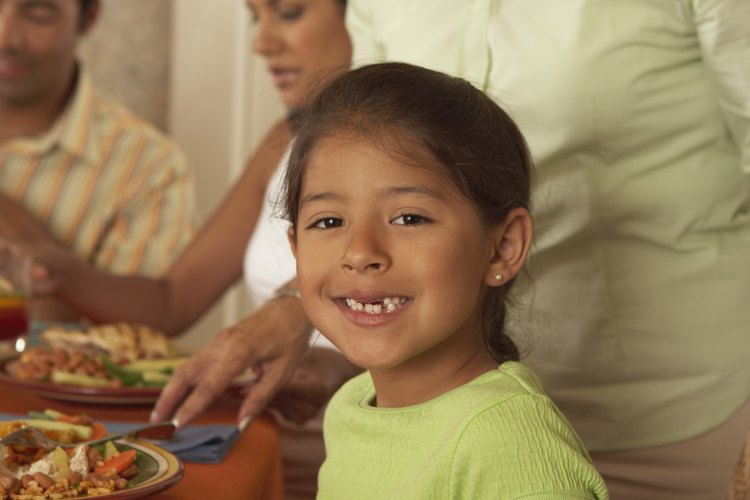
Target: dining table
{"x": 251, "y": 469}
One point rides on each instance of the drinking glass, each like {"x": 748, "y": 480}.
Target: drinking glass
{"x": 15, "y": 288}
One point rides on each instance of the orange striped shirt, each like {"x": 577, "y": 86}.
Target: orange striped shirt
{"x": 107, "y": 184}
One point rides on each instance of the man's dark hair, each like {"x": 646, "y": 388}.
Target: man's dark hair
{"x": 85, "y": 7}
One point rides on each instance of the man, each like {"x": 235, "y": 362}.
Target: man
{"x": 75, "y": 169}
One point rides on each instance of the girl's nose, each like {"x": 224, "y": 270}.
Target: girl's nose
{"x": 366, "y": 252}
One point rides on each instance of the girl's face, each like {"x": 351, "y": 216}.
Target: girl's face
{"x": 392, "y": 260}
{"x": 301, "y": 41}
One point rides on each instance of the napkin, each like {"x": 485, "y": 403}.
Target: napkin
{"x": 203, "y": 444}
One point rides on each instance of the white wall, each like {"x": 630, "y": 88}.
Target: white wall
{"x": 221, "y": 102}
{"x": 130, "y": 65}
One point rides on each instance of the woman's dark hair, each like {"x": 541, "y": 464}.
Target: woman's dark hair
{"x": 420, "y": 116}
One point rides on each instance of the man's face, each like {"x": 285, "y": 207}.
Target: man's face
{"x": 37, "y": 49}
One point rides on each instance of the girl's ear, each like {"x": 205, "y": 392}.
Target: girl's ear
{"x": 512, "y": 241}
{"x": 292, "y": 241}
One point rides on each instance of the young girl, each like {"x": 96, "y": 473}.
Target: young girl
{"x": 408, "y": 194}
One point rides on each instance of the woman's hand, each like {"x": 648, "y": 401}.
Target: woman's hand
{"x": 272, "y": 341}
{"x": 320, "y": 374}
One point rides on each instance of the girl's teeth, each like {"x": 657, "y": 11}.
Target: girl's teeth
{"x": 389, "y": 305}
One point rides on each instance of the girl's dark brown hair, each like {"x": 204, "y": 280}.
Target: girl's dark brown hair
{"x": 420, "y": 116}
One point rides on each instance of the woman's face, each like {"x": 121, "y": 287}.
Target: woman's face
{"x": 302, "y": 41}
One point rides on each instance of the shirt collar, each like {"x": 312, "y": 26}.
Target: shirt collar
{"x": 73, "y": 130}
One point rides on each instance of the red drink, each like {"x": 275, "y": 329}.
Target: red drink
{"x": 14, "y": 320}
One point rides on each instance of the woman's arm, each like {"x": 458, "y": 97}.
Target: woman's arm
{"x": 208, "y": 266}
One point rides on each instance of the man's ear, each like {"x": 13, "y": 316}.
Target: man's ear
{"x": 292, "y": 241}
{"x": 89, "y": 17}
{"x": 511, "y": 244}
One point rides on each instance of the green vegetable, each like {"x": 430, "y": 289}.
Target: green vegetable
{"x": 166, "y": 365}
{"x": 110, "y": 450}
{"x": 61, "y": 377}
{"x": 155, "y": 379}
{"x": 82, "y": 432}
{"x": 53, "y": 414}
{"x": 38, "y": 415}
{"x": 129, "y": 378}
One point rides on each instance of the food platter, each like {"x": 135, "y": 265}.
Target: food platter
{"x": 157, "y": 470}
{"x": 97, "y": 395}
{"x": 78, "y": 394}
{"x": 160, "y": 470}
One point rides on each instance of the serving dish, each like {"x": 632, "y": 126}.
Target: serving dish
{"x": 79, "y": 394}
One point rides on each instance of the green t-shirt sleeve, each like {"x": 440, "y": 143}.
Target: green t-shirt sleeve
{"x": 522, "y": 448}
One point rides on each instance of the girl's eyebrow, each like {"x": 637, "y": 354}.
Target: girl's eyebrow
{"x": 311, "y": 198}
{"x": 417, "y": 190}
{"x": 393, "y": 191}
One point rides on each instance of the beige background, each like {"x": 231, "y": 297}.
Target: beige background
{"x": 127, "y": 53}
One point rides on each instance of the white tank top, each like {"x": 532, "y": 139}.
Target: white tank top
{"x": 269, "y": 262}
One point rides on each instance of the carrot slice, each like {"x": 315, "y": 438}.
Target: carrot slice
{"x": 117, "y": 464}
{"x": 98, "y": 430}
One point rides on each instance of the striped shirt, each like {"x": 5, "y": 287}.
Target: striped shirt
{"x": 106, "y": 184}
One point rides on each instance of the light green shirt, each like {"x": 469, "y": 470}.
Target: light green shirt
{"x": 497, "y": 437}
{"x": 637, "y": 113}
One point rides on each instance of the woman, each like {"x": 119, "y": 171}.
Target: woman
{"x": 303, "y": 43}
{"x": 638, "y": 118}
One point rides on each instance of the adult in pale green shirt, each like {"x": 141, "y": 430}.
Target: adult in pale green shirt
{"x": 638, "y": 117}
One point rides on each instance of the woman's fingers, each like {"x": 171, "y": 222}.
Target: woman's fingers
{"x": 173, "y": 393}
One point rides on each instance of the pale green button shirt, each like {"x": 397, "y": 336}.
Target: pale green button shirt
{"x": 637, "y": 112}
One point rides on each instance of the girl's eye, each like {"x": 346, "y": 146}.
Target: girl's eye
{"x": 410, "y": 220}
{"x": 327, "y": 223}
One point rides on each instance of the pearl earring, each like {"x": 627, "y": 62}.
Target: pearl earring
{"x": 498, "y": 277}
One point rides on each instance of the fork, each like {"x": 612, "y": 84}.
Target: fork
{"x": 32, "y": 438}
{"x": 35, "y": 438}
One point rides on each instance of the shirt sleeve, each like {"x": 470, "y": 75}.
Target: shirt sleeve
{"x": 156, "y": 220}
{"x": 723, "y": 28}
{"x": 523, "y": 448}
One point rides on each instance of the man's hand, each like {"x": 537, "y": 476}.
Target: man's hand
{"x": 20, "y": 227}
{"x": 272, "y": 341}
{"x": 25, "y": 234}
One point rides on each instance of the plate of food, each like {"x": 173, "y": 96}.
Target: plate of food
{"x": 116, "y": 469}
{"x": 111, "y": 364}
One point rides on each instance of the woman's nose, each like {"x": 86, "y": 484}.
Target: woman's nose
{"x": 366, "y": 252}
{"x": 265, "y": 39}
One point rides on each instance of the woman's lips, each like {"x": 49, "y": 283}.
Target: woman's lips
{"x": 283, "y": 77}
